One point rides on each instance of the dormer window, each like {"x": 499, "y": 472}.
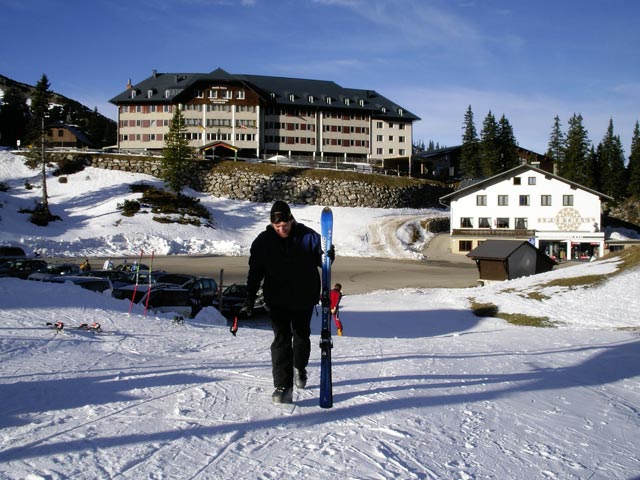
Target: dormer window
{"x": 292, "y": 97}
{"x": 383, "y": 109}
{"x": 273, "y": 96}
{"x": 347, "y": 101}
{"x": 361, "y": 102}
{"x": 400, "y": 112}
{"x": 150, "y": 92}
{"x": 327, "y": 100}
{"x": 310, "y": 98}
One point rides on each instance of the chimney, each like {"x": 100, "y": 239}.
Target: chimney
{"x": 154, "y": 73}
{"x": 129, "y": 84}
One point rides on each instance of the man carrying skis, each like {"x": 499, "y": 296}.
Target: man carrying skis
{"x": 335, "y": 295}
{"x": 286, "y": 256}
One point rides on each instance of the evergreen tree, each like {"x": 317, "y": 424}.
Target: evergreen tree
{"x": 612, "y": 161}
{"x": 507, "y": 145}
{"x": 470, "y": 151}
{"x": 595, "y": 169}
{"x": 575, "y": 164}
{"x": 490, "y": 159}
{"x": 557, "y": 146}
{"x": 177, "y": 155}
{"x": 40, "y": 100}
{"x": 14, "y": 117}
{"x": 634, "y": 164}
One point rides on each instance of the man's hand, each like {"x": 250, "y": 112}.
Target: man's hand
{"x": 247, "y": 307}
{"x": 331, "y": 253}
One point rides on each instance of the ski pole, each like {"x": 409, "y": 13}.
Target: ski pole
{"x": 146, "y": 304}
{"x": 135, "y": 287}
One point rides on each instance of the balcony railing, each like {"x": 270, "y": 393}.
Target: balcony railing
{"x": 494, "y": 232}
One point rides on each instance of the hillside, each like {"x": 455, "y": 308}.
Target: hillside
{"x": 100, "y": 129}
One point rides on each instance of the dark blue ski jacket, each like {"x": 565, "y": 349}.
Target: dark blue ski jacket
{"x": 288, "y": 266}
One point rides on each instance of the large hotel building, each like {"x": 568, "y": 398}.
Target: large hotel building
{"x": 262, "y": 116}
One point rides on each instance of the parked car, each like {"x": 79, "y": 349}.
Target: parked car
{"x": 95, "y": 284}
{"x": 202, "y": 292}
{"x": 169, "y": 298}
{"x": 143, "y": 276}
{"x": 55, "y": 270}
{"x": 118, "y": 278}
{"x": 10, "y": 252}
{"x": 233, "y": 298}
{"x": 21, "y": 268}
{"x": 165, "y": 297}
{"x": 175, "y": 278}
{"x": 126, "y": 267}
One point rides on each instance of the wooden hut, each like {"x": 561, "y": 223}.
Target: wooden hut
{"x": 507, "y": 259}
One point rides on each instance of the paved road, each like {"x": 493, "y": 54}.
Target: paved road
{"x": 356, "y": 274}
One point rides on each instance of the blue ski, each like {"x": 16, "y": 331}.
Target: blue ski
{"x": 326, "y": 344}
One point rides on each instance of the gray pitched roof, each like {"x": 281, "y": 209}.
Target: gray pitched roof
{"x": 285, "y": 91}
{"x": 497, "y": 249}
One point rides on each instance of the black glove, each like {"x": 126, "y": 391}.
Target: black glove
{"x": 331, "y": 253}
{"x": 247, "y": 307}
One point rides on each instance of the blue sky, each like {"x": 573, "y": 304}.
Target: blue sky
{"x": 529, "y": 60}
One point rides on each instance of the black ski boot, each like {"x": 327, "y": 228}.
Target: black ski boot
{"x": 282, "y": 395}
{"x": 300, "y": 378}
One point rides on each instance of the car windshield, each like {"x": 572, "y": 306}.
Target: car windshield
{"x": 236, "y": 290}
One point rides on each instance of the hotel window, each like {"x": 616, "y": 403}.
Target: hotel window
{"x": 240, "y": 95}
{"x": 213, "y": 93}
{"x": 199, "y": 94}
{"x": 402, "y": 151}
{"x": 466, "y": 222}
{"x": 484, "y": 222}
{"x": 531, "y": 180}
{"x": 516, "y": 180}
{"x": 502, "y": 222}
{"x": 481, "y": 200}
{"x": 379, "y": 138}
{"x": 401, "y": 139}
{"x": 379, "y": 124}
{"x": 521, "y": 223}
{"x": 524, "y": 200}
{"x": 391, "y": 138}
{"x": 567, "y": 200}
{"x": 545, "y": 200}
{"x": 465, "y": 245}
{"x": 503, "y": 200}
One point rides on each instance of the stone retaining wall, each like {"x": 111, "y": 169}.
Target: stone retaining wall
{"x": 241, "y": 182}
